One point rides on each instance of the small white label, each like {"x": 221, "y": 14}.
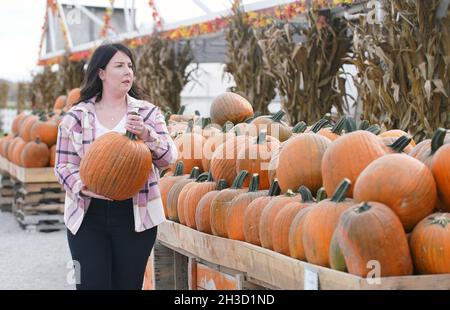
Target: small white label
{"x": 310, "y": 279}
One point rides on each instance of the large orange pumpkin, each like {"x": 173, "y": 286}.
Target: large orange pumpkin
{"x": 430, "y": 244}
{"x": 425, "y": 150}
{"x": 190, "y": 149}
{"x": 270, "y": 124}
{"x": 35, "y": 154}
{"x": 72, "y": 97}
{"x": 230, "y": 107}
{"x": 116, "y": 166}
{"x": 166, "y": 183}
{"x": 321, "y": 222}
{"x": 296, "y": 249}
{"x": 370, "y": 232}
{"x": 402, "y": 183}
{"x": 203, "y": 210}
{"x": 441, "y": 172}
{"x": 46, "y": 130}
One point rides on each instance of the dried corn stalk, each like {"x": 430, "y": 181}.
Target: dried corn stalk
{"x": 71, "y": 73}
{"x": 404, "y": 67}
{"x": 245, "y": 63}
{"x": 308, "y": 72}
{"x": 22, "y": 95}
{"x": 162, "y": 71}
{"x": 44, "y": 88}
{"x": 4, "y": 92}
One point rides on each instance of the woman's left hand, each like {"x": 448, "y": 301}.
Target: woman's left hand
{"x": 135, "y": 124}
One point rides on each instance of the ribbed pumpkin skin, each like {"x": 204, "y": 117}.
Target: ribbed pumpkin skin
{"x": 402, "y": 183}
{"x": 16, "y": 123}
{"x": 376, "y": 234}
{"x": 275, "y": 129}
{"x": 252, "y": 217}
{"x": 190, "y": 149}
{"x": 235, "y": 214}
{"x": 172, "y": 199}
{"x": 115, "y": 166}
{"x": 219, "y": 210}
{"x": 192, "y": 198}
{"x": 230, "y": 107}
{"x": 300, "y": 162}
{"x": 441, "y": 172}
{"x": 72, "y": 97}
{"x": 318, "y": 229}
{"x": 282, "y": 224}
{"x": 211, "y": 145}
{"x": 203, "y": 212}
{"x": 224, "y": 158}
{"x": 347, "y": 157}
{"x": 422, "y": 151}
{"x": 165, "y": 184}
{"x": 25, "y": 127}
{"x": 59, "y": 104}
{"x": 35, "y": 155}
{"x": 181, "y": 202}
{"x": 46, "y": 131}
{"x": 296, "y": 249}
{"x": 268, "y": 215}
{"x": 11, "y": 147}
{"x": 430, "y": 244}
{"x": 17, "y": 152}
{"x": 395, "y": 134}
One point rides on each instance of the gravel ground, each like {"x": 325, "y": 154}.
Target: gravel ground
{"x": 32, "y": 260}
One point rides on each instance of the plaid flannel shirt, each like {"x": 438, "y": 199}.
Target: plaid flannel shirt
{"x": 75, "y": 135}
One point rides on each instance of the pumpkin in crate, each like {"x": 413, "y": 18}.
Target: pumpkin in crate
{"x": 252, "y": 214}
{"x": 269, "y": 213}
{"x": 285, "y": 218}
{"x": 402, "y": 183}
{"x": 320, "y": 223}
{"x": 167, "y": 181}
{"x": 430, "y": 244}
{"x": 221, "y": 204}
{"x": 35, "y": 154}
{"x": 235, "y": 214}
{"x": 230, "y": 107}
{"x": 183, "y": 203}
{"x": 46, "y": 130}
{"x": 370, "y": 232}
{"x": 203, "y": 209}
{"x": 296, "y": 249}
{"x": 116, "y": 166}
{"x": 440, "y": 168}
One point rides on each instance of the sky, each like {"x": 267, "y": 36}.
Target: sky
{"x": 21, "y": 22}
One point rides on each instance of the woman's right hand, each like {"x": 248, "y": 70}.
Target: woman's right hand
{"x": 87, "y": 192}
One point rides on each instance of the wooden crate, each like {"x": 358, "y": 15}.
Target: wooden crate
{"x": 160, "y": 271}
{"x": 276, "y": 271}
{"x": 31, "y": 175}
{"x": 207, "y": 276}
{"x": 6, "y": 192}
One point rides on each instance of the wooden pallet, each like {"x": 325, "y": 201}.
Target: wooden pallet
{"x": 39, "y": 222}
{"x": 6, "y": 192}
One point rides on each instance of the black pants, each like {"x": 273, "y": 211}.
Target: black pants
{"x": 106, "y": 249}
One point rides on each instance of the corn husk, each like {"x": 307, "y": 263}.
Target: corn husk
{"x": 71, "y": 74}
{"x": 44, "y": 88}
{"x": 4, "y": 92}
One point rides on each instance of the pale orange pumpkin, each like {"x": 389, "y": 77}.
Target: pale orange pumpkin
{"x": 230, "y": 107}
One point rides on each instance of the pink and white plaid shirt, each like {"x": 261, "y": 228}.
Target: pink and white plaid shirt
{"x": 75, "y": 135}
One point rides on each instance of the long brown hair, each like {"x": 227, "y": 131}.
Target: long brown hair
{"x": 92, "y": 84}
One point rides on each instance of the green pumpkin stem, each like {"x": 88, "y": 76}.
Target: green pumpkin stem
{"x": 289, "y": 193}
{"x": 202, "y": 177}
{"x": 438, "y": 140}
{"x": 341, "y": 192}
{"x": 364, "y": 125}
{"x": 195, "y": 172}
{"x": 321, "y": 194}
{"x": 399, "y": 145}
{"x": 339, "y": 126}
{"x": 239, "y": 180}
{"x": 197, "y": 113}
{"x": 227, "y": 126}
{"x": 278, "y": 116}
{"x": 319, "y": 125}
{"x": 300, "y": 127}
{"x": 274, "y": 189}
{"x": 254, "y": 183}
{"x": 306, "y": 194}
{"x": 190, "y": 126}
{"x": 181, "y": 110}
{"x": 375, "y": 129}
{"x": 350, "y": 124}
{"x": 210, "y": 177}
{"x": 441, "y": 219}
{"x": 179, "y": 169}
{"x": 363, "y": 207}
{"x": 222, "y": 184}
{"x": 129, "y": 134}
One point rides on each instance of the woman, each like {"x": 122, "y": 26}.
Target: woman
{"x": 110, "y": 241}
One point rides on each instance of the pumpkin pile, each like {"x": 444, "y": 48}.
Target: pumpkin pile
{"x": 32, "y": 140}
{"x": 389, "y": 199}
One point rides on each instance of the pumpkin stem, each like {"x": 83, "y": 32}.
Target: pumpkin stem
{"x": 179, "y": 169}
{"x": 399, "y": 145}
{"x": 278, "y": 116}
{"x": 364, "y": 125}
{"x": 327, "y": 116}
{"x": 205, "y": 122}
{"x": 306, "y": 194}
{"x": 129, "y": 134}
{"x": 195, "y": 172}
{"x": 227, "y": 126}
{"x": 222, "y": 184}
{"x": 43, "y": 117}
{"x": 251, "y": 118}
{"x": 321, "y": 194}
{"x": 350, "y": 124}
{"x": 319, "y": 125}
{"x": 363, "y": 207}
{"x": 190, "y": 126}
{"x": 339, "y": 126}
{"x": 261, "y": 139}
{"x": 300, "y": 127}
{"x": 210, "y": 177}
{"x": 254, "y": 183}
{"x": 375, "y": 129}
{"x": 167, "y": 116}
{"x": 163, "y": 173}
{"x": 237, "y": 131}
{"x": 37, "y": 140}
{"x": 438, "y": 140}
{"x": 341, "y": 192}
{"x": 442, "y": 220}
{"x": 239, "y": 180}
{"x": 181, "y": 109}
{"x": 274, "y": 189}
{"x": 197, "y": 113}
{"x": 202, "y": 177}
